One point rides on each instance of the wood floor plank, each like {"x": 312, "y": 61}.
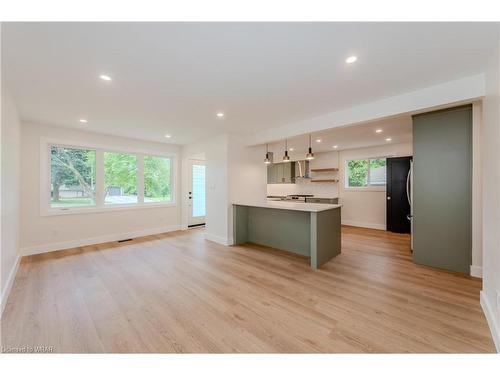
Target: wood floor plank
{"x": 177, "y": 292}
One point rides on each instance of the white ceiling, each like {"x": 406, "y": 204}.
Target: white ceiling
{"x": 174, "y": 77}
{"x": 399, "y": 129}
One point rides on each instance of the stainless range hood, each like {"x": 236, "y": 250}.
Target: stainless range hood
{"x": 303, "y": 169}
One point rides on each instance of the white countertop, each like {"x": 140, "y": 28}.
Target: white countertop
{"x": 294, "y": 206}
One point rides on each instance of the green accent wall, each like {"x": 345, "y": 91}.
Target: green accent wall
{"x": 442, "y": 183}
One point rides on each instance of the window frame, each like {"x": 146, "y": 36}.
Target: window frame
{"x": 46, "y": 173}
{"x": 368, "y": 187}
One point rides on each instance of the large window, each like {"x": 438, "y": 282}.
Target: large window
{"x": 362, "y": 173}
{"x": 97, "y": 179}
{"x": 72, "y": 172}
{"x": 120, "y": 178}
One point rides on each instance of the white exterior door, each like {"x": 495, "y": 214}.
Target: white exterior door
{"x": 196, "y": 193}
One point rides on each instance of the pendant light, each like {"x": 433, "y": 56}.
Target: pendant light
{"x": 267, "y": 160}
{"x": 286, "y": 158}
{"x": 310, "y": 155}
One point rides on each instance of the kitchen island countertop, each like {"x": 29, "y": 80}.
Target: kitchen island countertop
{"x": 287, "y": 205}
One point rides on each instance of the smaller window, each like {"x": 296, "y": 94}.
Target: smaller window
{"x": 157, "y": 179}
{"x": 120, "y": 178}
{"x": 362, "y": 173}
{"x": 72, "y": 174}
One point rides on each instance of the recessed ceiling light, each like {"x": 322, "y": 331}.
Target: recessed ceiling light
{"x": 351, "y": 59}
{"x": 220, "y": 114}
{"x": 388, "y": 139}
{"x": 105, "y": 77}
{"x": 83, "y": 121}
{"x": 335, "y": 146}
{"x": 168, "y": 136}
{"x": 291, "y": 148}
{"x": 318, "y": 140}
{"x": 378, "y": 131}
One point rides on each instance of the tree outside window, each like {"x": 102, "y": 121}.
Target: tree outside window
{"x": 365, "y": 172}
{"x": 72, "y": 177}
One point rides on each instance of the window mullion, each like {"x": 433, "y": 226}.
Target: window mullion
{"x": 140, "y": 179}
{"x": 99, "y": 171}
{"x": 368, "y": 177}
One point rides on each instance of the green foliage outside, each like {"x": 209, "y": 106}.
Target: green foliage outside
{"x": 120, "y": 170}
{"x": 156, "y": 178}
{"x": 358, "y": 170}
{"x": 75, "y": 168}
{"x": 72, "y": 167}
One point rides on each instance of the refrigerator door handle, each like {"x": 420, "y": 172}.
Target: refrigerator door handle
{"x": 408, "y": 187}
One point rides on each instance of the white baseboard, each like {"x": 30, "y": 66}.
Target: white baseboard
{"x": 10, "y": 283}
{"x": 490, "y": 318}
{"x": 362, "y": 224}
{"x": 31, "y": 250}
{"x": 476, "y": 271}
{"x": 218, "y": 239}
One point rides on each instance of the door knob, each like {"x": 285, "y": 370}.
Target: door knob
{"x": 388, "y": 198}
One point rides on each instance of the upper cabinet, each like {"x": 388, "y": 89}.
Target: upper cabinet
{"x": 281, "y": 173}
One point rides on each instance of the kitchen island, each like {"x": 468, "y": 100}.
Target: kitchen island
{"x": 309, "y": 229}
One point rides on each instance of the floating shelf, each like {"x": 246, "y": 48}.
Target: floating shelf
{"x": 325, "y": 180}
{"x": 325, "y": 170}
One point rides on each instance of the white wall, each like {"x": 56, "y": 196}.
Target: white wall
{"x": 234, "y": 172}
{"x": 490, "y": 296}
{"x": 47, "y": 233}
{"x": 10, "y": 181}
{"x": 247, "y": 176}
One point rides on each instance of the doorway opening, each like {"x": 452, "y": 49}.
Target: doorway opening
{"x": 196, "y": 193}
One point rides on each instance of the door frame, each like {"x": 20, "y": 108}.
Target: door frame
{"x": 191, "y": 221}
{"x": 388, "y": 191}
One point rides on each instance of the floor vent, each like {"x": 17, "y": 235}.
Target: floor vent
{"x": 128, "y": 239}
{"x": 196, "y": 225}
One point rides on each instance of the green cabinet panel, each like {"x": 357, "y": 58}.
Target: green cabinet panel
{"x": 442, "y": 189}
{"x": 316, "y": 235}
{"x": 281, "y": 173}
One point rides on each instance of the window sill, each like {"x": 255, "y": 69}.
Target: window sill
{"x": 366, "y": 189}
{"x": 107, "y": 208}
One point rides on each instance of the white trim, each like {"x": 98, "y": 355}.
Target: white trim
{"x": 477, "y": 193}
{"x": 195, "y": 220}
{"x": 218, "y": 239}
{"x": 31, "y": 250}
{"x": 490, "y": 318}
{"x": 106, "y": 208}
{"x": 476, "y": 271}
{"x": 9, "y": 285}
{"x": 362, "y": 224}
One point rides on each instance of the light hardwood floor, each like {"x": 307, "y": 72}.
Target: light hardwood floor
{"x": 180, "y": 293}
